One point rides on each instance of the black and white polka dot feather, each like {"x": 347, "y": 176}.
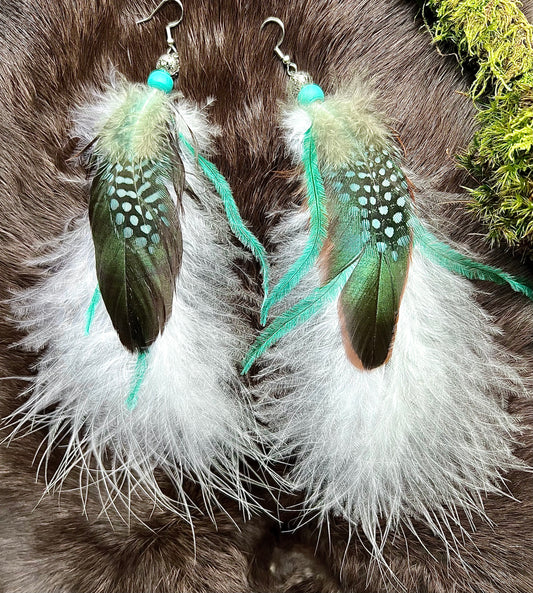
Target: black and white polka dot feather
{"x": 374, "y": 193}
{"x": 138, "y": 245}
{"x": 369, "y": 209}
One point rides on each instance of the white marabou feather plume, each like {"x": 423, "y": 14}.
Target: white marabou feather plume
{"x": 193, "y": 417}
{"x": 417, "y": 438}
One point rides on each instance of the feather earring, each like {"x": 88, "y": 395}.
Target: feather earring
{"x": 389, "y": 403}
{"x": 148, "y": 381}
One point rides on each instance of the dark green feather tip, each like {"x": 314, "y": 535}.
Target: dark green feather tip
{"x": 369, "y": 307}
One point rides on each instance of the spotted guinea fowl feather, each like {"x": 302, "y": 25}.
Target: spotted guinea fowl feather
{"x": 369, "y": 212}
{"x": 138, "y": 247}
{"x": 134, "y": 221}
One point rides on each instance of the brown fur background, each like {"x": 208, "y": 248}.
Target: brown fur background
{"x": 51, "y": 51}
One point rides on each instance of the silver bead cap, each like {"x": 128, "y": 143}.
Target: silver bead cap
{"x": 169, "y": 62}
{"x": 297, "y": 80}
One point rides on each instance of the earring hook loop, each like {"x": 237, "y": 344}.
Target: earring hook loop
{"x": 290, "y": 67}
{"x": 171, "y": 42}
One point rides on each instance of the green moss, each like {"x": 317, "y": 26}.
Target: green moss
{"x": 496, "y": 36}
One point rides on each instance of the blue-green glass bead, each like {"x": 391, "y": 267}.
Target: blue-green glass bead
{"x": 310, "y": 93}
{"x": 161, "y": 80}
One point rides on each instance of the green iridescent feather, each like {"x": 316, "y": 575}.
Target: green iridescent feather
{"x": 134, "y": 221}
{"x": 370, "y": 217}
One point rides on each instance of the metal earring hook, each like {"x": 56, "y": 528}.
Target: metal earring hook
{"x": 170, "y": 40}
{"x": 290, "y": 67}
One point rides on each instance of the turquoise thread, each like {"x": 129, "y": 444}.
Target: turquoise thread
{"x": 89, "y": 316}
{"x": 141, "y": 366}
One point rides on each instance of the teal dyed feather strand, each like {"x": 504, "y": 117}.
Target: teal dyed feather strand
{"x": 316, "y": 202}
{"x": 452, "y": 260}
{"x": 92, "y": 309}
{"x": 235, "y": 220}
{"x": 298, "y": 314}
{"x": 141, "y": 367}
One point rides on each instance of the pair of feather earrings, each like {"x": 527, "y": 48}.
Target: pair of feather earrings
{"x": 375, "y": 430}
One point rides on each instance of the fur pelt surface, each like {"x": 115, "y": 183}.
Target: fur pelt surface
{"x": 51, "y": 53}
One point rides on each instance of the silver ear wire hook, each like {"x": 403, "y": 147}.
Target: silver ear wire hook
{"x": 170, "y": 40}
{"x": 290, "y": 67}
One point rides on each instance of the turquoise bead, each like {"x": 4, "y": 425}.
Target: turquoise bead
{"x": 310, "y": 93}
{"x": 161, "y": 80}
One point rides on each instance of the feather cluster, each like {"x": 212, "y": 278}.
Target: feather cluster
{"x": 193, "y": 417}
{"x": 415, "y": 439}
{"x": 361, "y": 231}
{"x": 393, "y": 385}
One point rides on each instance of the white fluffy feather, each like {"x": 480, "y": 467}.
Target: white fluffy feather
{"x": 193, "y": 416}
{"x": 417, "y": 438}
